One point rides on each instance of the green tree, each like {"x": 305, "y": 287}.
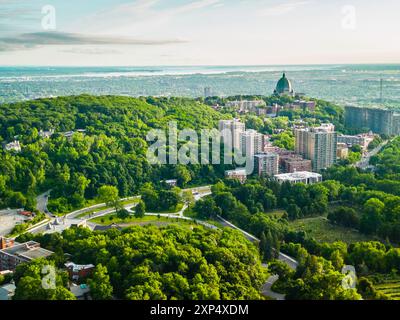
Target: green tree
{"x": 123, "y": 214}
{"x": 29, "y": 282}
{"x": 206, "y": 208}
{"x": 266, "y": 245}
{"x": 372, "y": 218}
{"x": 140, "y": 209}
{"x": 109, "y": 195}
{"x": 183, "y": 175}
{"x": 99, "y": 284}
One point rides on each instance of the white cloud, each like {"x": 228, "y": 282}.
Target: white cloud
{"x": 283, "y": 8}
{"x": 34, "y": 40}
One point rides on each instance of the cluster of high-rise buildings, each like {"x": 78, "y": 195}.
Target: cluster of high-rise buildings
{"x": 316, "y": 149}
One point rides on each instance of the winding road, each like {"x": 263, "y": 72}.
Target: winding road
{"x": 267, "y": 287}
{"x": 60, "y": 224}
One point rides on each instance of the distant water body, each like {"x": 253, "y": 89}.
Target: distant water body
{"x": 342, "y": 84}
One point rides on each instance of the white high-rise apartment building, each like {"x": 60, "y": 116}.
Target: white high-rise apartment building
{"x": 252, "y": 142}
{"x": 231, "y": 131}
{"x": 318, "y": 145}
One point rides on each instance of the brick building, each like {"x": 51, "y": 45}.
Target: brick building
{"x": 16, "y": 253}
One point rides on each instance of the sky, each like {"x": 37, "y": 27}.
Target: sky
{"x": 198, "y": 32}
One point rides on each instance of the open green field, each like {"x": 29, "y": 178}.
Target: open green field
{"x": 322, "y": 230}
{"x": 173, "y": 210}
{"x": 112, "y": 218}
{"x": 391, "y": 288}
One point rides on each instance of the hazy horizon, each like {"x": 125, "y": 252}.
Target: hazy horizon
{"x": 203, "y": 65}
{"x": 354, "y": 84}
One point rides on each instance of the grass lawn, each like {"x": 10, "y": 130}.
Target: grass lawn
{"x": 322, "y": 230}
{"x": 112, "y": 218}
{"x": 276, "y": 213}
{"x": 173, "y": 210}
{"x": 390, "y": 286}
{"x": 215, "y": 223}
{"x": 189, "y": 212}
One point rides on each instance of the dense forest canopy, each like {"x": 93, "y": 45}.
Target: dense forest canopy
{"x": 112, "y": 151}
{"x": 172, "y": 262}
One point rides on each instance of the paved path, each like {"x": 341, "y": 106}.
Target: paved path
{"x": 364, "y": 162}
{"x": 59, "y": 224}
{"x": 41, "y": 203}
{"x": 75, "y": 214}
{"x": 291, "y": 262}
{"x": 266, "y": 290}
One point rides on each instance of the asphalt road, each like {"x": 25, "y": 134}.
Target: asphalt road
{"x": 266, "y": 290}
{"x": 364, "y": 162}
{"x": 72, "y": 218}
{"x": 292, "y": 263}
{"x": 42, "y": 201}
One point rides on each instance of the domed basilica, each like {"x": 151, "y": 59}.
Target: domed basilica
{"x": 284, "y": 87}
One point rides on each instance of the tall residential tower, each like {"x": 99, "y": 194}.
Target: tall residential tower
{"x": 231, "y": 132}
{"x": 318, "y": 145}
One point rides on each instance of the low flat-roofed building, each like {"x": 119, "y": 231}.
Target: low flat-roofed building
{"x": 239, "y": 174}
{"x": 362, "y": 140}
{"x": 244, "y": 106}
{"x": 5, "y": 272}
{"x": 13, "y": 146}
{"x": 342, "y": 151}
{"x": 79, "y": 271}
{"x": 11, "y": 257}
{"x": 172, "y": 182}
{"x": 7, "y": 292}
{"x": 46, "y": 134}
{"x": 70, "y": 134}
{"x": 299, "y": 177}
{"x": 105, "y": 228}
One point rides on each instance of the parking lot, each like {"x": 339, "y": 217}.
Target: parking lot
{"x": 8, "y": 220}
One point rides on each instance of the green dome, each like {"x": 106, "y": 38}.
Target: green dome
{"x": 284, "y": 86}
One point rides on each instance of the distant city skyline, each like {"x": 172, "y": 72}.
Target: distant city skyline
{"x": 198, "y": 32}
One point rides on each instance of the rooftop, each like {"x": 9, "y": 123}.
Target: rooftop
{"x": 78, "y": 267}
{"x": 298, "y": 175}
{"x": 29, "y": 250}
{"x": 7, "y": 291}
{"x": 266, "y": 155}
{"x": 236, "y": 171}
